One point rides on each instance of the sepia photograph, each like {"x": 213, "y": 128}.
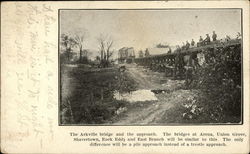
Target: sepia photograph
{"x": 125, "y": 77}
{"x": 147, "y": 67}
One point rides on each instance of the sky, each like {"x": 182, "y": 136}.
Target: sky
{"x": 143, "y": 29}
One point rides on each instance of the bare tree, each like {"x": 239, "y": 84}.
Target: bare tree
{"x": 109, "y": 44}
{"x": 101, "y": 41}
{"x": 67, "y": 42}
{"x": 79, "y": 39}
{"x": 105, "y": 46}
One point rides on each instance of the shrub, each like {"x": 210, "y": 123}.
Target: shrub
{"x": 219, "y": 81}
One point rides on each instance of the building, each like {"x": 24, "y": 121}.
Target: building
{"x": 157, "y": 51}
{"x": 126, "y": 55}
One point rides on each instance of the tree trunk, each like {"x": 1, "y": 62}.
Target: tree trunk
{"x": 104, "y": 55}
{"x": 107, "y": 55}
{"x": 101, "y": 54}
{"x": 80, "y": 54}
{"x": 68, "y": 54}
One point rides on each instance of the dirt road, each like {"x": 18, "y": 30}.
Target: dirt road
{"x": 152, "y": 112}
{"x": 155, "y": 97}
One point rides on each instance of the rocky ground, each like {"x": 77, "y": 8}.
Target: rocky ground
{"x": 169, "y": 93}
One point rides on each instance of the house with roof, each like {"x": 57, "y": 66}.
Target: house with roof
{"x": 126, "y": 55}
{"x": 158, "y": 51}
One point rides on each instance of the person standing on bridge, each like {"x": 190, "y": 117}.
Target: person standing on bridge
{"x": 214, "y": 36}
{"x": 207, "y": 39}
{"x": 187, "y": 45}
{"x": 183, "y": 46}
{"x": 201, "y": 39}
{"x": 200, "y": 42}
{"x": 192, "y": 43}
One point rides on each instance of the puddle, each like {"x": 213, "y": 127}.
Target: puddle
{"x": 136, "y": 96}
{"x": 71, "y": 65}
{"x": 159, "y": 91}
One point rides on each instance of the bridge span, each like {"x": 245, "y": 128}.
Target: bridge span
{"x": 177, "y": 63}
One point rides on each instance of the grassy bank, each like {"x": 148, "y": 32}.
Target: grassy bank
{"x": 88, "y": 96}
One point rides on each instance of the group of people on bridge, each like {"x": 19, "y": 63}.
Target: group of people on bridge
{"x": 201, "y": 42}
{"x": 183, "y": 65}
